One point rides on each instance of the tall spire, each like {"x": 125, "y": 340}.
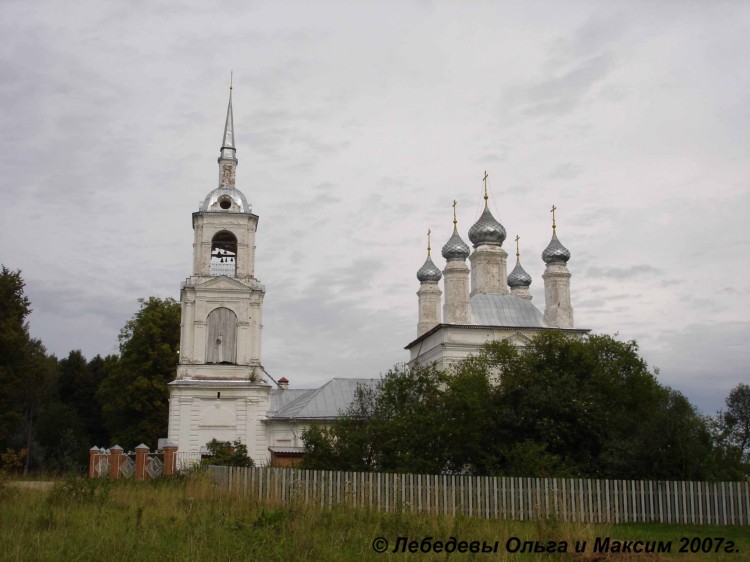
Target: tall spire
{"x": 228, "y": 158}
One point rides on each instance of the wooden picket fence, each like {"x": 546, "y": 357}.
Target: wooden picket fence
{"x": 574, "y": 500}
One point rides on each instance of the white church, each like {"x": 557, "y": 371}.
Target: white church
{"x": 222, "y": 390}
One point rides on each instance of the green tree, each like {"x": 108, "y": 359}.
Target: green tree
{"x": 134, "y": 395}
{"x": 736, "y": 419}
{"x": 594, "y": 405}
{"x": 392, "y": 428}
{"x": 731, "y": 435}
{"x": 467, "y": 419}
{"x": 39, "y": 390}
{"x": 562, "y": 406}
{"x": 14, "y": 341}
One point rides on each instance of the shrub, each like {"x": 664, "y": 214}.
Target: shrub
{"x": 224, "y": 453}
{"x": 76, "y": 489}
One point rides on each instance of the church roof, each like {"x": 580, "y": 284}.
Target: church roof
{"x": 326, "y": 402}
{"x": 505, "y": 310}
{"x": 213, "y": 200}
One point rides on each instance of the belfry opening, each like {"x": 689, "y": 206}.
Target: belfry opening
{"x": 224, "y": 254}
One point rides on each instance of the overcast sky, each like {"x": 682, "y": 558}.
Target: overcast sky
{"x": 357, "y": 124}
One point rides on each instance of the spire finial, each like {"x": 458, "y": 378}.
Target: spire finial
{"x": 228, "y": 154}
{"x": 518, "y": 252}
{"x": 552, "y": 210}
{"x": 485, "y": 189}
{"x": 455, "y": 221}
{"x": 428, "y": 242}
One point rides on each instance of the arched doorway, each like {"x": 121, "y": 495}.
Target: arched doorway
{"x": 221, "y": 343}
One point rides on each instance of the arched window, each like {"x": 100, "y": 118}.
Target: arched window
{"x": 224, "y": 254}
{"x": 221, "y": 344}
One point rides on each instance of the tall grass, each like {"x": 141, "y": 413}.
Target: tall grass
{"x": 189, "y": 519}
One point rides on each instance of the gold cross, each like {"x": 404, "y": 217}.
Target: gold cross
{"x": 455, "y": 222}
{"x": 485, "y": 188}
{"x": 428, "y": 242}
{"x": 553, "y": 216}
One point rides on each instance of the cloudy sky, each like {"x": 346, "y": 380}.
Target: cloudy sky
{"x": 357, "y": 124}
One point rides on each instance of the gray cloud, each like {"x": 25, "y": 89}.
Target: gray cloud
{"x": 622, "y": 273}
{"x": 565, "y": 171}
{"x": 560, "y": 94}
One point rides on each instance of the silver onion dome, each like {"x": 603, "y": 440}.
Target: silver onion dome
{"x": 226, "y": 200}
{"x": 455, "y": 248}
{"x": 555, "y": 252}
{"x": 518, "y": 277}
{"x": 487, "y": 230}
{"x": 429, "y": 272}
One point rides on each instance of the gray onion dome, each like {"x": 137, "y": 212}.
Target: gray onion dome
{"x": 429, "y": 272}
{"x": 518, "y": 277}
{"x": 555, "y": 252}
{"x": 455, "y": 248}
{"x": 487, "y": 230}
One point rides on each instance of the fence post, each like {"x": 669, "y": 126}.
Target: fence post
{"x": 141, "y": 453}
{"x": 93, "y": 452}
{"x": 170, "y": 458}
{"x": 115, "y": 460}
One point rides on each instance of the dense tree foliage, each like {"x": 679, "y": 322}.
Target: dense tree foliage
{"x": 737, "y": 418}
{"x": 391, "y": 429}
{"x": 134, "y": 396}
{"x": 14, "y": 341}
{"x": 732, "y": 430}
{"x": 561, "y": 406}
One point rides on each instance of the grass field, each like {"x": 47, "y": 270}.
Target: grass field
{"x": 189, "y": 519}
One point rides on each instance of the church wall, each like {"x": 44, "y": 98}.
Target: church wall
{"x": 224, "y": 411}
{"x": 450, "y": 345}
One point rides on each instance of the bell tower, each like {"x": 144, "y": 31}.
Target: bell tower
{"x": 220, "y": 391}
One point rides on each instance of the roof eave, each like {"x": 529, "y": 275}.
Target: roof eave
{"x": 490, "y": 327}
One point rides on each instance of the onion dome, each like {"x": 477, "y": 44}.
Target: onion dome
{"x": 487, "y": 230}
{"x": 555, "y": 252}
{"x": 518, "y": 277}
{"x": 455, "y": 248}
{"x": 429, "y": 272}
